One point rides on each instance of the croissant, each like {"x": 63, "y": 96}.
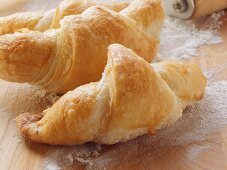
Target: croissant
{"x": 132, "y": 98}
{"x": 76, "y": 53}
{"x": 41, "y": 21}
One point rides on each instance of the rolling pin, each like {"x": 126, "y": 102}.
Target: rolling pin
{"x": 191, "y": 9}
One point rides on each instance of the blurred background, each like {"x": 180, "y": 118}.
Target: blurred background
{"x": 12, "y": 6}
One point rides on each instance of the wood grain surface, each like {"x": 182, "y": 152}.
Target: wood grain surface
{"x": 18, "y": 154}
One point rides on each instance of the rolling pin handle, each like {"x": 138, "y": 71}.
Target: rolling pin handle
{"x": 207, "y": 7}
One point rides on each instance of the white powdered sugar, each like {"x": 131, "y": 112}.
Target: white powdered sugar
{"x": 180, "y": 39}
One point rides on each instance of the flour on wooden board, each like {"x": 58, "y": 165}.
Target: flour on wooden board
{"x": 179, "y": 40}
{"x": 40, "y": 94}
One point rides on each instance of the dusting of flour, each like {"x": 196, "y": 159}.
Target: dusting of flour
{"x": 41, "y": 95}
{"x": 180, "y": 39}
{"x": 65, "y": 157}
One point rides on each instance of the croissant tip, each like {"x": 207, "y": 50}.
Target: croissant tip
{"x": 25, "y": 120}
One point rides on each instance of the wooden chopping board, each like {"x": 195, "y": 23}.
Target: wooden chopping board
{"x": 16, "y": 153}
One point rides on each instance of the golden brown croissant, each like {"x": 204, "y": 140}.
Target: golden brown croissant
{"x": 133, "y": 98}
{"x": 74, "y": 54}
{"x": 41, "y": 21}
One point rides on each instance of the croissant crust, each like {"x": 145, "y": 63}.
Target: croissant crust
{"x": 132, "y": 98}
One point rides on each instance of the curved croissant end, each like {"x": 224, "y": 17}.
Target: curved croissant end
{"x": 13, "y": 23}
{"x": 61, "y": 59}
{"x": 148, "y": 14}
{"x": 133, "y": 98}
